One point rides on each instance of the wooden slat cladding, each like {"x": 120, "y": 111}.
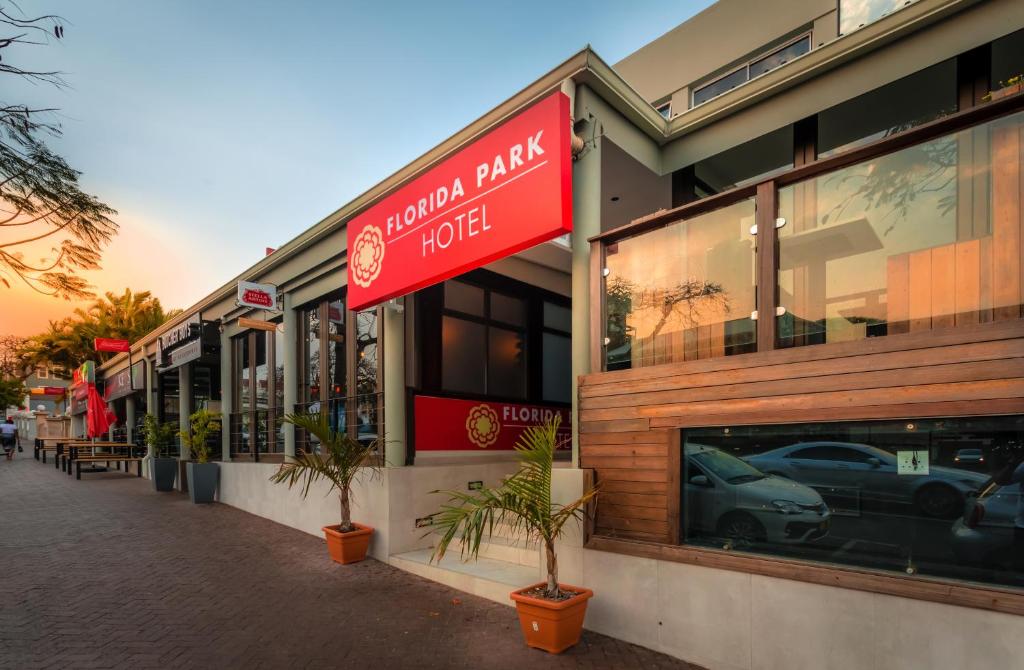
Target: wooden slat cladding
{"x": 630, "y": 419}
{"x": 632, "y": 470}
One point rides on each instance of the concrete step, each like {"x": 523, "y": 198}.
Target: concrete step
{"x": 502, "y": 547}
{"x": 484, "y": 577}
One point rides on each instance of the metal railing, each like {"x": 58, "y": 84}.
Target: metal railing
{"x": 361, "y": 416}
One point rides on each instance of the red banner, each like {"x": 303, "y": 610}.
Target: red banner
{"x": 107, "y": 344}
{"x": 448, "y": 424}
{"x": 505, "y": 192}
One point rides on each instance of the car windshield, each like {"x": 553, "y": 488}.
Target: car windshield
{"x": 727, "y": 467}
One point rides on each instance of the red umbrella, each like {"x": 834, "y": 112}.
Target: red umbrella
{"x": 97, "y": 420}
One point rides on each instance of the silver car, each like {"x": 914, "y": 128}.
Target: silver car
{"x": 871, "y": 473}
{"x": 984, "y": 536}
{"x": 728, "y": 498}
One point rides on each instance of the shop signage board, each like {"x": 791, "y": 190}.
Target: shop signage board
{"x": 186, "y": 330}
{"x": 108, "y": 344}
{"x": 57, "y": 391}
{"x": 256, "y": 324}
{"x": 453, "y": 424}
{"x": 257, "y": 296}
{"x": 507, "y": 191}
{"x": 120, "y": 384}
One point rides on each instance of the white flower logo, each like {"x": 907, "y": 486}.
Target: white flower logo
{"x": 367, "y": 256}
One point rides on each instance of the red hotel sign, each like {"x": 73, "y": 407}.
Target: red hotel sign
{"x": 449, "y": 424}
{"x": 505, "y": 192}
{"x": 108, "y": 344}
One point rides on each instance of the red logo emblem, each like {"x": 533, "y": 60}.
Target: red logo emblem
{"x": 257, "y": 297}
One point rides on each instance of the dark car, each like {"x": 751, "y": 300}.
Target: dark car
{"x": 871, "y": 473}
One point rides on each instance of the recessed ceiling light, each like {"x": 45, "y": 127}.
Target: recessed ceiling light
{"x": 615, "y": 198}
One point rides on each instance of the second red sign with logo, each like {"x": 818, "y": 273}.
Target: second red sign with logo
{"x": 451, "y": 424}
{"x": 505, "y": 192}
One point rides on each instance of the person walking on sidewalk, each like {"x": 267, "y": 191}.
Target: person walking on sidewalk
{"x": 9, "y": 437}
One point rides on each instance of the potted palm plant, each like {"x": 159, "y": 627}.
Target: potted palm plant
{"x": 340, "y": 460}
{"x": 200, "y": 472}
{"x": 550, "y": 614}
{"x": 163, "y": 468}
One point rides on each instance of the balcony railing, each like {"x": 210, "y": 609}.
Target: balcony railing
{"x": 919, "y": 231}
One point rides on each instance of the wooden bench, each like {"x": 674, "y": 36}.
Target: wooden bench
{"x": 61, "y": 449}
{"x": 42, "y": 442}
{"x": 104, "y": 458}
{"x": 109, "y": 451}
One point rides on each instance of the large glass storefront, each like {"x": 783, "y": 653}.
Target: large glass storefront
{"x": 339, "y": 367}
{"x": 258, "y": 393}
{"x": 933, "y": 497}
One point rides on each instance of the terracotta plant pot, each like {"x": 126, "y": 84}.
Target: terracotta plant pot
{"x": 348, "y": 547}
{"x": 549, "y": 625}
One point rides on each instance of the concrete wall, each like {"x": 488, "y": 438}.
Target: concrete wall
{"x": 390, "y": 503}
{"x": 727, "y": 620}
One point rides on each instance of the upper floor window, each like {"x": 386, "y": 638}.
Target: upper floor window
{"x": 745, "y": 164}
{"x": 665, "y": 109}
{"x": 854, "y": 14}
{"x": 1007, "y": 59}
{"x": 754, "y": 68}
{"x": 903, "y": 104}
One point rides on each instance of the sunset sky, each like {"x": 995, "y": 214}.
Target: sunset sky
{"x": 217, "y": 129}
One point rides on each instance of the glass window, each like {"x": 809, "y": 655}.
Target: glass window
{"x": 665, "y": 109}
{"x": 243, "y": 373}
{"x": 780, "y": 57}
{"x": 682, "y": 292}
{"x": 557, "y": 317}
{"x": 854, "y": 14}
{"x": 905, "y": 242}
{"x": 261, "y": 370}
{"x": 1007, "y": 59}
{"x": 464, "y": 298}
{"x": 366, "y": 374}
{"x": 278, "y": 337}
{"x": 336, "y": 344}
{"x": 919, "y": 98}
{"x": 720, "y": 86}
{"x": 463, "y": 347}
{"x": 745, "y": 164}
{"x": 508, "y": 309}
{"x": 312, "y": 355}
{"x": 557, "y": 364}
{"x": 506, "y": 363}
{"x": 934, "y": 497}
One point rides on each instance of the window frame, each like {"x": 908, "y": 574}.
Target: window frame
{"x": 745, "y": 67}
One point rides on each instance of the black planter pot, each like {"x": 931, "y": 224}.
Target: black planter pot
{"x": 202, "y": 482}
{"x": 164, "y": 472}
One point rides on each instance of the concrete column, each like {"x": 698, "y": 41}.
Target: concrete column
{"x": 291, "y": 369}
{"x": 151, "y": 396}
{"x": 393, "y": 332}
{"x": 227, "y": 395}
{"x": 184, "y": 404}
{"x": 586, "y": 208}
{"x": 129, "y": 417}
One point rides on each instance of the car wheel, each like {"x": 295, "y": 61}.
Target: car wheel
{"x": 741, "y": 528}
{"x": 939, "y": 501}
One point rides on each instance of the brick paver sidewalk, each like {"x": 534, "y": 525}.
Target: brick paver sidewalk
{"x": 105, "y": 572}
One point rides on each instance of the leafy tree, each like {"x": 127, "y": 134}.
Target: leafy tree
{"x": 68, "y": 343}
{"x": 10, "y": 361}
{"x": 41, "y": 201}
{"x": 12, "y": 393}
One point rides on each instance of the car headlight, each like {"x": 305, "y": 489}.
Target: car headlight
{"x": 787, "y": 507}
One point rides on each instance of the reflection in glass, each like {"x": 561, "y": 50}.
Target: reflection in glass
{"x": 936, "y": 497}
{"x": 557, "y": 368}
{"x": 506, "y": 363}
{"x": 463, "y": 347}
{"x": 906, "y": 242}
{"x": 682, "y": 292}
{"x": 312, "y": 351}
{"x": 854, "y": 14}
